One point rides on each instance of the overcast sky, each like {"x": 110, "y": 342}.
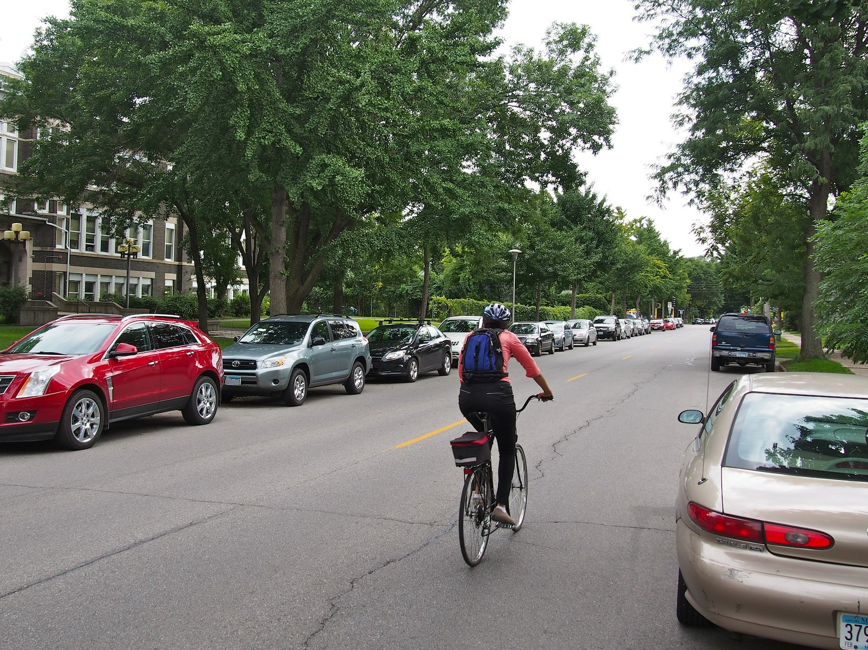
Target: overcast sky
{"x": 644, "y": 100}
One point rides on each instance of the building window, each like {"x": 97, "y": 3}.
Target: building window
{"x": 146, "y": 239}
{"x": 120, "y": 288}
{"x": 170, "y": 287}
{"x": 8, "y": 146}
{"x": 89, "y": 287}
{"x": 8, "y": 154}
{"x": 145, "y": 284}
{"x": 105, "y": 285}
{"x": 60, "y": 232}
{"x": 90, "y": 234}
{"x": 170, "y": 242}
{"x": 75, "y": 231}
{"x": 106, "y": 237}
{"x": 74, "y": 287}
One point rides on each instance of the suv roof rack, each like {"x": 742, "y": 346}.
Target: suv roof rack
{"x": 332, "y": 315}
{"x": 176, "y": 316}
{"x": 88, "y": 315}
{"x": 403, "y": 319}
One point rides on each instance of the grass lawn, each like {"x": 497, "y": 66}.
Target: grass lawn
{"x": 11, "y": 333}
{"x": 787, "y": 351}
{"x": 817, "y": 365}
{"x": 238, "y": 323}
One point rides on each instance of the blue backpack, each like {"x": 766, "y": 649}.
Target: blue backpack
{"x": 483, "y": 356}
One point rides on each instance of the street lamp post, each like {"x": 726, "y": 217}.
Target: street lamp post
{"x": 15, "y": 237}
{"x": 515, "y": 252}
{"x": 129, "y": 251}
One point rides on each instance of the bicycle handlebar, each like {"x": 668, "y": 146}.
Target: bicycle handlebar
{"x": 527, "y": 401}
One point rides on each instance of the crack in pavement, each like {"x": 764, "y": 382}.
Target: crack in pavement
{"x": 114, "y": 552}
{"x": 608, "y": 413}
{"x": 332, "y": 601}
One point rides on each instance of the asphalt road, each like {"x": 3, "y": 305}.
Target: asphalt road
{"x": 318, "y": 527}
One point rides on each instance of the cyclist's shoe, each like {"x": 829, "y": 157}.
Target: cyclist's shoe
{"x": 501, "y": 516}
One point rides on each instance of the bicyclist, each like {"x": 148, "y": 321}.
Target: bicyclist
{"x": 496, "y": 399}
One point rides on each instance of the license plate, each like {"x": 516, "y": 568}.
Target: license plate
{"x": 233, "y": 381}
{"x": 852, "y": 631}
{"x": 741, "y": 354}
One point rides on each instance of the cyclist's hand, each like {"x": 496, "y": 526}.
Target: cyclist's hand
{"x": 545, "y": 397}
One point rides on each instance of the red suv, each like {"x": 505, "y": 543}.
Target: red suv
{"x": 70, "y": 379}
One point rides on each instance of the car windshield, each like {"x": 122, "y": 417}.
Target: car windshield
{"x": 392, "y": 333}
{"x": 580, "y": 325}
{"x": 523, "y": 328}
{"x": 557, "y": 328}
{"x": 825, "y": 437}
{"x": 276, "y": 333}
{"x": 460, "y": 326}
{"x": 743, "y": 324}
{"x": 65, "y": 338}
{"x": 604, "y": 321}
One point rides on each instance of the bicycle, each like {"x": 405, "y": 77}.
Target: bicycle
{"x": 475, "y": 524}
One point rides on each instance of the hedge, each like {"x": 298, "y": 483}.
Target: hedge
{"x": 440, "y": 308}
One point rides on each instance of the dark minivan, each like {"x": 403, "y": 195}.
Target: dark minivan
{"x": 745, "y": 339}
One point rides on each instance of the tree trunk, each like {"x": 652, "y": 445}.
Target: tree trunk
{"x": 248, "y": 242}
{"x": 538, "y": 297}
{"x": 198, "y": 271}
{"x": 306, "y": 262}
{"x": 573, "y": 299}
{"x": 426, "y": 274}
{"x": 277, "y": 253}
{"x": 201, "y": 289}
{"x": 612, "y": 310}
{"x": 812, "y": 347}
{"x": 338, "y": 295}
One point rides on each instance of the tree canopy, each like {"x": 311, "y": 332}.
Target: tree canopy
{"x": 780, "y": 82}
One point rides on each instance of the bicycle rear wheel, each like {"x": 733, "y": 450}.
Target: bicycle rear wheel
{"x": 518, "y": 491}
{"x": 474, "y": 523}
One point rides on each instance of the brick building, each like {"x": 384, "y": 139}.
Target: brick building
{"x": 73, "y": 252}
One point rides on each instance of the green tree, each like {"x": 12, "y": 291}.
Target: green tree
{"x": 760, "y": 229}
{"x": 840, "y": 245}
{"x": 782, "y": 81}
{"x": 706, "y": 295}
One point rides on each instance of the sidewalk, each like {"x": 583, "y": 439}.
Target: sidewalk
{"x": 834, "y": 355}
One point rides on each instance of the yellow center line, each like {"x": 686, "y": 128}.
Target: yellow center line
{"x": 433, "y": 433}
{"x": 625, "y": 358}
{"x": 584, "y": 374}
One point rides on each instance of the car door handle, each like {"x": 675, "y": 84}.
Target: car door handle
{"x": 152, "y": 363}
{"x": 190, "y": 353}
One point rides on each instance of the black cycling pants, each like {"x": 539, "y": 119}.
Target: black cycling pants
{"x": 496, "y": 399}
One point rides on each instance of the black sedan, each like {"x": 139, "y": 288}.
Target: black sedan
{"x": 536, "y": 337}
{"x": 406, "y": 349}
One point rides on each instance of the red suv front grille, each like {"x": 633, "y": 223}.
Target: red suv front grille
{"x": 5, "y": 382}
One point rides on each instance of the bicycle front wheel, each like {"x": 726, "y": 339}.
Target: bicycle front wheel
{"x": 473, "y": 517}
{"x": 518, "y": 491}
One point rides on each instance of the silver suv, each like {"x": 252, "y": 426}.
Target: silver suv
{"x": 284, "y": 355}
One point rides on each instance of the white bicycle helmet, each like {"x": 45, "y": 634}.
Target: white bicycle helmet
{"x": 496, "y": 311}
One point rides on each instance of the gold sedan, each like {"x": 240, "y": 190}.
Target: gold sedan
{"x": 772, "y": 511}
